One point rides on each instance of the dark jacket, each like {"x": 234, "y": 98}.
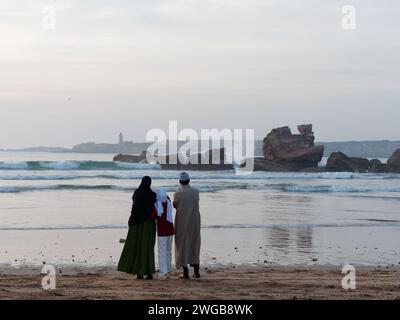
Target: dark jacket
{"x": 143, "y": 201}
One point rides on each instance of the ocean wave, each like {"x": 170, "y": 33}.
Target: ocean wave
{"x": 17, "y": 189}
{"x": 215, "y": 187}
{"x": 340, "y": 188}
{"x": 71, "y": 170}
{"x": 295, "y": 175}
{"x": 137, "y": 166}
{"x": 157, "y": 175}
{"x": 44, "y": 176}
{"x": 14, "y": 165}
{"x": 169, "y": 188}
{"x": 75, "y": 165}
{"x": 58, "y": 165}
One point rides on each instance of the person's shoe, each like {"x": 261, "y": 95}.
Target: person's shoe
{"x": 149, "y": 277}
{"x": 196, "y": 268}
{"x": 185, "y": 274}
{"x": 139, "y": 277}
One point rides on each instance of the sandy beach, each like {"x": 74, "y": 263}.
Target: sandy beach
{"x": 269, "y": 236}
{"x": 219, "y": 283}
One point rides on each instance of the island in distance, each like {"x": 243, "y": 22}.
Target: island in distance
{"x": 381, "y": 149}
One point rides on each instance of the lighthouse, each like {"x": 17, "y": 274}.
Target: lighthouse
{"x": 121, "y": 139}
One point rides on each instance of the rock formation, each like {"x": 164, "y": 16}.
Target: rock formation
{"x": 131, "y": 158}
{"x": 284, "y": 151}
{"x": 296, "y": 150}
{"x": 376, "y": 166}
{"x": 339, "y": 162}
{"x": 393, "y": 164}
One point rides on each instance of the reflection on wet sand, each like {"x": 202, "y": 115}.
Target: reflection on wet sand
{"x": 304, "y": 239}
{"x": 284, "y": 239}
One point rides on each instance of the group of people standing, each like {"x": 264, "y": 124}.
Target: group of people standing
{"x": 151, "y": 216}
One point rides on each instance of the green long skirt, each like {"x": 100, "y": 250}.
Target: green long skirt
{"x": 137, "y": 257}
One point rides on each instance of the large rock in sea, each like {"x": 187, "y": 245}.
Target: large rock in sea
{"x": 296, "y": 151}
{"x": 284, "y": 151}
{"x": 393, "y": 164}
{"x": 339, "y": 162}
{"x": 376, "y": 166}
{"x": 128, "y": 158}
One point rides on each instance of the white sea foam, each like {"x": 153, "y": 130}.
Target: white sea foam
{"x": 85, "y": 165}
{"x": 60, "y": 165}
{"x": 299, "y": 175}
{"x": 31, "y": 176}
{"x": 68, "y": 170}
{"x": 14, "y": 165}
{"x": 217, "y": 186}
{"x": 341, "y": 188}
{"x": 138, "y": 166}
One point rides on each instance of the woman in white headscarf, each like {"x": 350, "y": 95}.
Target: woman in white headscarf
{"x": 165, "y": 231}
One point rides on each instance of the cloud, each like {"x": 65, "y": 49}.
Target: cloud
{"x": 261, "y": 62}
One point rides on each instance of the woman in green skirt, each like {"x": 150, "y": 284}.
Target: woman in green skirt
{"x": 137, "y": 257}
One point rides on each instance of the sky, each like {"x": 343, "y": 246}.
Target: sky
{"x": 133, "y": 65}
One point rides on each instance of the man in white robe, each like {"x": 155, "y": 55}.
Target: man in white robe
{"x": 187, "y": 227}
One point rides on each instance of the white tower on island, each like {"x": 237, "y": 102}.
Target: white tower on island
{"x": 121, "y": 139}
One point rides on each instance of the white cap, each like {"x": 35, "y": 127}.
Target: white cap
{"x": 184, "y": 176}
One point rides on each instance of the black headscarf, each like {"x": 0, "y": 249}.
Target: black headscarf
{"x": 143, "y": 201}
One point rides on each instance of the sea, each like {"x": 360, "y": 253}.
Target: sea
{"x": 69, "y": 208}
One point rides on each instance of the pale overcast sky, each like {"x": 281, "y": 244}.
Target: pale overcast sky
{"x": 132, "y": 65}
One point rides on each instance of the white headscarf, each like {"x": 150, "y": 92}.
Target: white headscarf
{"x": 162, "y": 198}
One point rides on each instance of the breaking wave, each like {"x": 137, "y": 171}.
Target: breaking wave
{"x": 70, "y": 171}
{"x": 341, "y": 188}
{"x": 75, "y": 165}
{"x": 215, "y": 187}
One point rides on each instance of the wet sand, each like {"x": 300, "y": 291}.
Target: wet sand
{"x": 368, "y": 246}
{"x": 217, "y": 283}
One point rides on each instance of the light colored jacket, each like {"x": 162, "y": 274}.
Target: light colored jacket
{"x": 187, "y": 226}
